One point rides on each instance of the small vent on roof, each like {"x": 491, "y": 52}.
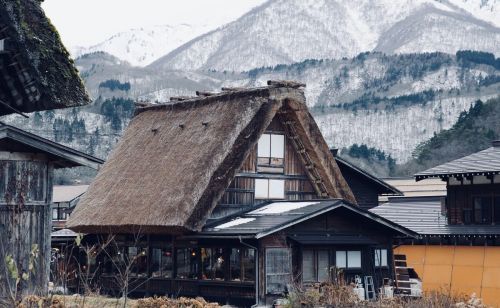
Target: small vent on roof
{"x": 495, "y": 143}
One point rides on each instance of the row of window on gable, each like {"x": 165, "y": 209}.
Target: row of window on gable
{"x": 270, "y": 159}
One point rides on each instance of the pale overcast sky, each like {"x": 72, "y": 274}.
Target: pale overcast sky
{"x": 88, "y": 22}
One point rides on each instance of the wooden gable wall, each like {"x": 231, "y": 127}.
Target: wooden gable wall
{"x": 240, "y": 193}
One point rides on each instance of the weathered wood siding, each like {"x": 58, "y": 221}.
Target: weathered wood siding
{"x": 336, "y": 224}
{"x": 241, "y": 191}
{"x": 364, "y": 191}
{"x": 25, "y": 224}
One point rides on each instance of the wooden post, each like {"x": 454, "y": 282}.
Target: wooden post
{"x": 25, "y": 224}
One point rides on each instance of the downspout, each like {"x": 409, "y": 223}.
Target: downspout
{"x": 256, "y": 270}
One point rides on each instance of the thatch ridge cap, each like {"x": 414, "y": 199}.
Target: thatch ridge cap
{"x": 216, "y": 97}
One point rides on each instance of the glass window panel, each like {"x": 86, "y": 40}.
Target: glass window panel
{"x": 308, "y": 265}
{"x": 354, "y": 259}
{"x": 156, "y": 262}
{"x": 212, "y": 263}
{"x": 323, "y": 265}
{"x": 55, "y": 213}
{"x": 141, "y": 262}
{"x": 206, "y": 263}
{"x": 131, "y": 256}
{"x": 340, "y": 259}
{"x": 276, "y": 189}
{"x": 277, "y": 146}
{"x": 248, "y": 264}
{"x": 384, "y": 257}
{"x": 167, "y": 264}
{"x": 486, "y": 209}
{"x": 235, "y": 265}
{"x": 219, "y": 263}
{"x": 380, "y": 257}
{"x": 261, "y": 189}
{"x": 497, "y": 210}
{"x": 482, "y": 210}
{"x": 278, "y": 270}
{"x": 187, "y": 265}
{"x": 477, "y": 210}
{"x": 264, "y": 146}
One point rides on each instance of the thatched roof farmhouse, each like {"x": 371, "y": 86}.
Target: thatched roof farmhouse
{"x": 175, "y": 160}
{"x": 36, "y": 72}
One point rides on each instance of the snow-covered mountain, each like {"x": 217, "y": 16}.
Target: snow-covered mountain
{"x": 288, "y": 31}
{"x": 142, "y": 46}
{"x": 488, "y": 10}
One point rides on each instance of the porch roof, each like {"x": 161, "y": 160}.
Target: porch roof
{"x": 272, "y": 217}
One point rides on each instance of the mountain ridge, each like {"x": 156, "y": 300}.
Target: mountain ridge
{"x": 336, "y": 30}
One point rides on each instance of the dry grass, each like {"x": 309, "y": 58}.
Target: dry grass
{"x": 328, "y": 295}
{"x": 95, "y": 301}
{"x": 341, "y": 295}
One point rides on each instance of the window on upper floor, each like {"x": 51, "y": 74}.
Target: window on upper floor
{"x": 496, "y": 210}
{"x": 59, "y": 212}
{"x": 484, "y": 210}
{"x": 269, "y": 189}
{"x": 271, "y": 153}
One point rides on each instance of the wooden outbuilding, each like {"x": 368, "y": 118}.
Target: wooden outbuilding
{"x": 27, "y": 163}
{"x": 36, "y": 73}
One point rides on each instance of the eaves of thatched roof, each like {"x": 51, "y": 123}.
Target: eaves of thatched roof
{"x": 36, "y": 72}
{"x": 174, "y": 161}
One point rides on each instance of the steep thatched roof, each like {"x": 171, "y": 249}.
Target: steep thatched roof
{"x": 36, "y": 72}
{"x": 175, "y": 161}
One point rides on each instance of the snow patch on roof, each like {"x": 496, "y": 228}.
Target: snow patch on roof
{"x": 236, "y": 222}
{"x": 66, "y": 193}
{"x": 281, "y": 207}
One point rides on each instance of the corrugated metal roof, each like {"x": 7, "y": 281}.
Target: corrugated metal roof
{"x": 423, "y": 216}
{"x": 67, "y": 193}
{"x": 64, "y": 233}
{"x": 411, "y": 188}
{"x": 486, "y": 161}
{"x": 272, "y": 217}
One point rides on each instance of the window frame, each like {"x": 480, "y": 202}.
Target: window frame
{"x": 161, "y": 265}
{"x": 242, "y": 270}
{"x": 266, "y": 270}
{"x": 469, "y": 211}
{"x": 194, "y": 262}
{"x": 268, "y": 195}
{"x": 347, "y": 266}
{"x": 381, "y": 263}
{"x": 272, "y": 163}
{"x": 316, "y": 264}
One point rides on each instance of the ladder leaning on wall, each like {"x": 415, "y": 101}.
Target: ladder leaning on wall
{"x": 401, "y": 275}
